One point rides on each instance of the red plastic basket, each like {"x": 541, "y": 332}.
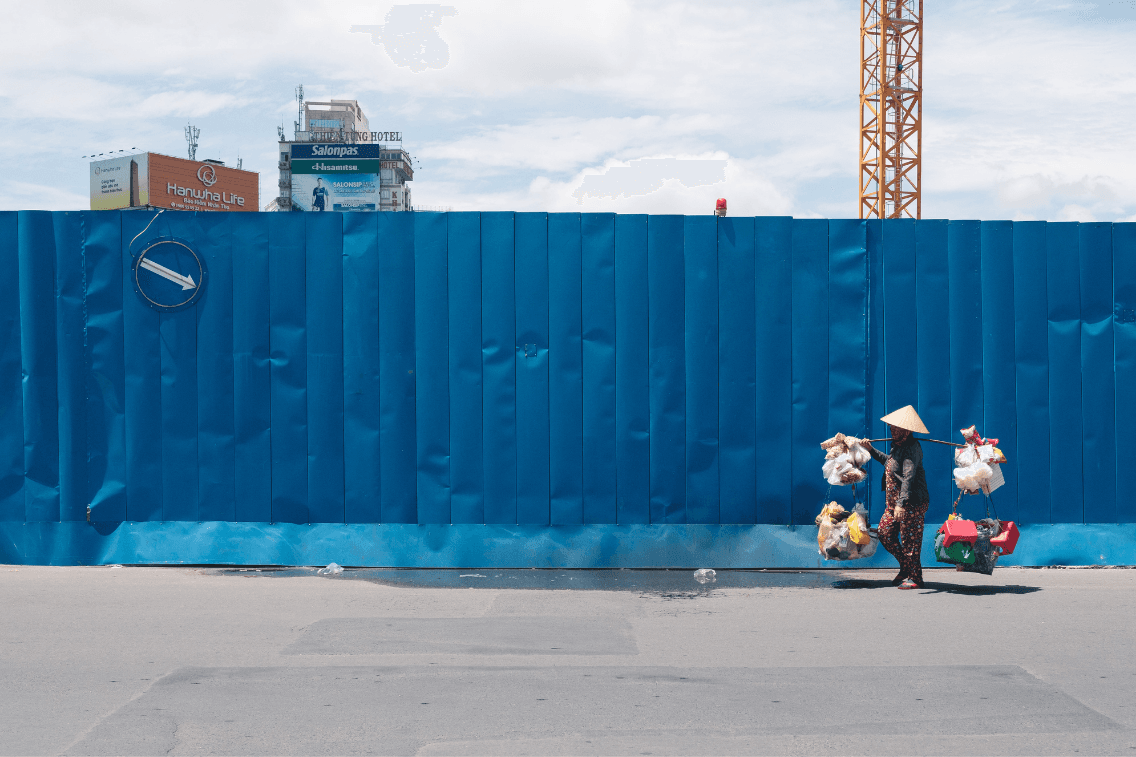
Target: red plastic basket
{"x": 959, "y": 530}
{"x": 1008, "y": 539}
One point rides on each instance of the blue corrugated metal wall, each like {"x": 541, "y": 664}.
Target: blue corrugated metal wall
{"x": 532, "y": 369}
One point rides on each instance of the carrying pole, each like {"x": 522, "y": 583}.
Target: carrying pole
{"x": 936, "y": 441}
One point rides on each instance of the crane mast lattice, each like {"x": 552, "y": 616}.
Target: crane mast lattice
{"x": 891, "y": 108}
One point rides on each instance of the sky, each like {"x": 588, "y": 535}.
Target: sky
{"x": 629, "y": 107}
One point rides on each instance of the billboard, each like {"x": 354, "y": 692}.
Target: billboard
{"x": 152, "y": 180}
{"x": 324, "y": 152}
{"x": 336, "y": 177}
{"x": 182, "y": 184}
{"x": 119, "y": 182}
{"x": 331, "y": 191}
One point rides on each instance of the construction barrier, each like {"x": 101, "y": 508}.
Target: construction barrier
{"x": 561, "y": 389}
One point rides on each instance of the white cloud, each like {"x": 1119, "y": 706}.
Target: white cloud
{"x": 1074, "y": 212}
{"x": 1027, "y": 113}
{"x": 22, "y": 195}
{"x": 564, "y": 144}
{"x": 647, "y": 175}
{"x": 749, "y": 193}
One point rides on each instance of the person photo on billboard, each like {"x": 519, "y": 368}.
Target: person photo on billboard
{"x": 319, "y": 196}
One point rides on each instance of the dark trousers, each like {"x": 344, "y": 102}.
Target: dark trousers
{"x": 909, "y": 530}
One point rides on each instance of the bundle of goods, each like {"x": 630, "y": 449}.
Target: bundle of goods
{"x": 844, "y": 460}
{"x": 843, "y": 534}
{"x": 978, "y": 464}
{"x": 974, "y": 546}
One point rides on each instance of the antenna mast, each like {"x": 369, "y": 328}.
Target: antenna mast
{"x": 891, "y": 108}
{"x": 191, "y": 135}
{"x": 299, "y": 110}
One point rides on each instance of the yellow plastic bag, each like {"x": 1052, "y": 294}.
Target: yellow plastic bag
{"x": 858, "y": 529}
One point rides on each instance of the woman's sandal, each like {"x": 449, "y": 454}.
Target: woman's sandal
{"x": 908, "y": 584}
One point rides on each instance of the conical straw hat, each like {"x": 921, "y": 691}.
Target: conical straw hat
{"x": 907, "y": 418}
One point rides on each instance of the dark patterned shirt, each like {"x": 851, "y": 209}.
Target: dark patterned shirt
{"x": 903, "y": 470}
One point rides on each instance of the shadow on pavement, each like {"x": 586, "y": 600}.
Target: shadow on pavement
{"x": 937, "y": 587}
{"x": 863, "y": 583}
{"x": 932, "y": 587}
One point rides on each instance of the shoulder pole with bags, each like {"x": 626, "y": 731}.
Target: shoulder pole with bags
{"x": 936, "y": 441}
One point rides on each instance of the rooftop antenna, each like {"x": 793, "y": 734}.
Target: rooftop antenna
{"x": 191, "y": 135}
{"x": 240, "y": 161}
{"x": 280, "y": 131}
{"x": 299, "y": 109}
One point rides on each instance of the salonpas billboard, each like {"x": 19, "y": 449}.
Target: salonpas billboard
{"x": 335, "y": 177}
{"x": 120, "y": 182}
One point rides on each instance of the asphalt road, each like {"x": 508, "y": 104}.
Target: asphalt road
{"x": 139, "y": 661}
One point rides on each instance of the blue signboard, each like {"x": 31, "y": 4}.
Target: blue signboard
{"x": 309, "y": 151}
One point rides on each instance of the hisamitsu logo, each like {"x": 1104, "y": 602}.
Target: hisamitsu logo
{"x": 341, "y": 167}
{"x": 207, "y": 175}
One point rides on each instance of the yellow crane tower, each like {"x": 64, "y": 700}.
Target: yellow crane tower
{"x": 891, "y": 108}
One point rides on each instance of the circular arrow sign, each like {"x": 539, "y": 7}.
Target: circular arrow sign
{"x": 169, "y": 275}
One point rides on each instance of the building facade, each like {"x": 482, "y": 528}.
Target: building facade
{"x": 336, "y": 163}
{"x": 334, "y": 116}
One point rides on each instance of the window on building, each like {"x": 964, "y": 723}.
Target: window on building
{"x": 325, "y": 123}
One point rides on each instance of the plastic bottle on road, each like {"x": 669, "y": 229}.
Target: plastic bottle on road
{"x": 704, "y": 575}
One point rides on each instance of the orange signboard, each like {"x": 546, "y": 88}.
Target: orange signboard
{"x": 182, "y": 184}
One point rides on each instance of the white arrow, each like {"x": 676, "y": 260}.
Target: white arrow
{"x": 185, "y": 281}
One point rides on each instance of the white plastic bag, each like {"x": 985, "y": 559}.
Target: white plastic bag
{"x": 965, "y": 456}
{"x": 829, "y": 470}
{"x": 842, "y": 470}
{"x": 839, "y": 545}
{"x": 838, "y": 541}
{"x": 834, "y": 540}
{"x": 843, "y": 460}
{"x": 973, "y": 477}
{"x": 868, "y": 549}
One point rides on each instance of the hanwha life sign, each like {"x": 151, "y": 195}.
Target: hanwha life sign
{"x": 169, "y": 275}
{"x": 181, "y": 184}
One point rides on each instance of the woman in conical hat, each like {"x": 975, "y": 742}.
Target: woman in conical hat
{"x": 901, "y": 527}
